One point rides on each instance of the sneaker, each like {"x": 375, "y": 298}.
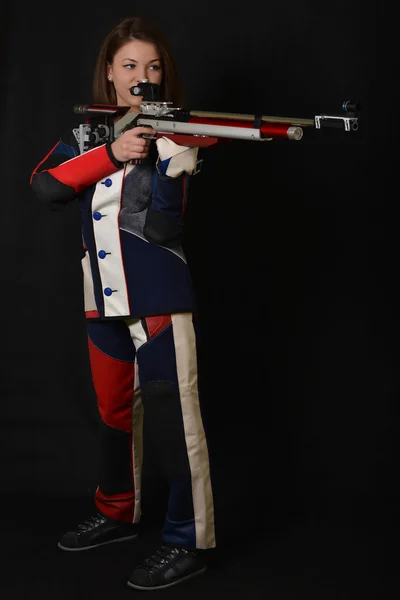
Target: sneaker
{"x": 97, "y": 531}
{"x": 168, "y": 566}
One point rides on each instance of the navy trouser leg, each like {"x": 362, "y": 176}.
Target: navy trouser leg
{"x": 173, "y": 427}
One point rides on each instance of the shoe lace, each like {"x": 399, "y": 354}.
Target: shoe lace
{"x": 90, "y": 523}
{"x": 161, "y": 557}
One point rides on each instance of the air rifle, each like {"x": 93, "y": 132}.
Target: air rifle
{"x": 198, "y": 128}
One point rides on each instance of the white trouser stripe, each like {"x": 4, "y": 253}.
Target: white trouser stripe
{"x": 186, "y": 364}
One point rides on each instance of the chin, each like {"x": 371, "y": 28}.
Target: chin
{"x": 134, "y": 107}
{"x": 136, "y": 104}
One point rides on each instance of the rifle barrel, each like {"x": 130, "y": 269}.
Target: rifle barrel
{"x": 287, "y": 120}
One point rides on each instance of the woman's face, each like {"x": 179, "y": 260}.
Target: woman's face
{"x": 134, "y": 61}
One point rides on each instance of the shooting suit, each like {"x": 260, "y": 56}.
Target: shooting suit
{"x": 140, "y": 312}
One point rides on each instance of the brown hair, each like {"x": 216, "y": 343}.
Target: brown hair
{"x": 135, "y": 28}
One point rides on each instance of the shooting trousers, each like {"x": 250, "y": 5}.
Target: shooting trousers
{"x": 145, "y": 376}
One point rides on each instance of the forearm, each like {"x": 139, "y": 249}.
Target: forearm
{"x": 165, "y": 218}
{"x": 63, "y": 182}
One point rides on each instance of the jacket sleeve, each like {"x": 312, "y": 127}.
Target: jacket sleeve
{"x": 164, "y": 224}
{"x": 64, "y": 173}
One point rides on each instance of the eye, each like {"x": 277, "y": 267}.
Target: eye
{"x": 129, "y": 65}
{"x": 155, "y": 67}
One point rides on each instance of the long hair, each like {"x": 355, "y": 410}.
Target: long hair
{"x": 126, "y": 30}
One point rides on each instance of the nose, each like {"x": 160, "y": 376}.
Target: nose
{"x": 140, "y": 74}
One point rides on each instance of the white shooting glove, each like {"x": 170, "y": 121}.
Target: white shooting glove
{"x": 182, "y": 158}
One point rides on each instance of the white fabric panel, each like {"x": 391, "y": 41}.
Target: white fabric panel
{"x": 107, "y": 201}
{"x": 88, "y": 290}
{"x": 186, "y": 364}
{"x": 183, "y": 158}
{"x": 137, "y": 331}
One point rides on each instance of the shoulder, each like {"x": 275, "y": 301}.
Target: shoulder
{"x": 69, "y": 141}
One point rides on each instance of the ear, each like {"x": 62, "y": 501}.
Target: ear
{"x": 109, "y": 72}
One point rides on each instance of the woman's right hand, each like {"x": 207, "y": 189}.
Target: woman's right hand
{"x": 129, "y": 146}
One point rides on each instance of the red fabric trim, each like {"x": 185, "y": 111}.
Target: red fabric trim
{"x": 113, "y": 383}
{"x": 85, "y": 170}
{"x": 92, "y": 314}
{"x": 157, "y": 324}
{"x": 42, "y": 161}
{"x": 120, "y": 507}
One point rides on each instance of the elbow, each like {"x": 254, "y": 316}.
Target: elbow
{"x": 51, "y": 191}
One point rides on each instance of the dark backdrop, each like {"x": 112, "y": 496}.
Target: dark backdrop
{"x": 292, "y": 245}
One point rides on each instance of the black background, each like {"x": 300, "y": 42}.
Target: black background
{"x": 294, "y": 257}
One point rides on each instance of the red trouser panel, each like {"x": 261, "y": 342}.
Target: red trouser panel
{"x": 113, "y": 384}
{"x": 120, "y": 507}
{"x": 157, "y": 324}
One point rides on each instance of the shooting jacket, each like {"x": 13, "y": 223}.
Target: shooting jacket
{"x": 132, "y": 228}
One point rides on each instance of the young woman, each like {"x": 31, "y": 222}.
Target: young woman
{"x": 140, "y": 313}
